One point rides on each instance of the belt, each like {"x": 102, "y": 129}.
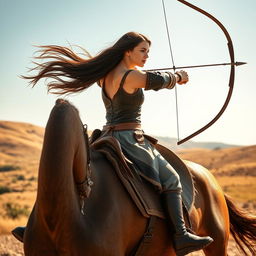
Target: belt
{"x": 122, "y": 126}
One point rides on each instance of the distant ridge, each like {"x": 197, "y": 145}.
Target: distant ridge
{"x": 30, "y": 132}
{"x": 172, "y": 144}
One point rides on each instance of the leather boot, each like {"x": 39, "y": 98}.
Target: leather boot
{"x": 18, "y": 233}
{"x": 184, "y": 242}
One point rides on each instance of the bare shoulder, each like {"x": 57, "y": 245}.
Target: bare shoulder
{"x": 137, "y": 79}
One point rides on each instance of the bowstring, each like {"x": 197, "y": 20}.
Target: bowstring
{"x": 173, "y": 64}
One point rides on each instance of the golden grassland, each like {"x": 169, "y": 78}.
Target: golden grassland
{"x": 243, "y": 189}
{"x": 234, "y": 168}
{"x": 20, "y": 147}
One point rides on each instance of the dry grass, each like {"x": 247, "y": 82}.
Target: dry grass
{"x": 20, "y": 200}
{"x": 234, "y": 168}
{"x": 224, "y": 159}
{"x": 20, "y": 147}
{"x": 6, "y": 224}
{"x": 239, "y": 187}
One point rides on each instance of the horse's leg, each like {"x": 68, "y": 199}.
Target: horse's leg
{"x": 56, "y": 213}
{"x": 210, "y": 214}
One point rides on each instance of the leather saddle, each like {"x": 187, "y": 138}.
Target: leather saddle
{"x": 143, "y": 193}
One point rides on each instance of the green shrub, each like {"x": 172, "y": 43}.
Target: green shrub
{"x": 14, "y": 211}
{"x": 8, "y": 168}
{"x": 32, "y": 178}
{"x": 20, "y": 177}
{"x": 4, "y": 189}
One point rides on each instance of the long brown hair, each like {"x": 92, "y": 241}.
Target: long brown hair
{"x": 72, "y": 73}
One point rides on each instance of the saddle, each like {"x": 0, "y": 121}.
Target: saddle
{"x": 144, "y": 195}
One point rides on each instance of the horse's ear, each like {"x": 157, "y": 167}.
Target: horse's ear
{"x": 99, "y": 83}
{"x": 95, "y": 135}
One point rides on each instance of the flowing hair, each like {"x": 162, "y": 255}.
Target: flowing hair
{"x": 72, "y": 73}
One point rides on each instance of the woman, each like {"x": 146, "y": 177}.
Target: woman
{"x": 115, "y": 70}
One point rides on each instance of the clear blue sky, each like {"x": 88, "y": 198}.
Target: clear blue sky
{"x": 97, "y": 24}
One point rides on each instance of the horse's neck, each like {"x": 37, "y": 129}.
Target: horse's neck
{"x": 61, "y": 150}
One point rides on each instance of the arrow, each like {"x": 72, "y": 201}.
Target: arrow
{"x": 201, "y": 66}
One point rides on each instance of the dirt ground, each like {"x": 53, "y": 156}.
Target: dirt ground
{"x": 9, "y": 246}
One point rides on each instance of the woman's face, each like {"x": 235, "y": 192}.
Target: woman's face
{"x": 139, "y": 54}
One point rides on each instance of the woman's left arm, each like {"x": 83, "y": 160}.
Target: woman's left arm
{"x": 159, "y": 80}
{"x": 155, "y": 80}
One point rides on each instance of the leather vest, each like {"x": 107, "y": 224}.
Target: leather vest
{"x": 124, "y": 107}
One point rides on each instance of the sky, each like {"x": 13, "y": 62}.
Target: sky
{"x": 97, "y": 24}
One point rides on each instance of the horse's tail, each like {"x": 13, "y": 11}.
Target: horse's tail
{"x": 242, "y": 227}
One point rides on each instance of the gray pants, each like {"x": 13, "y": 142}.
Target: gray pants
{"x": 148, "y": 162}
{"x": 169, "y": 178}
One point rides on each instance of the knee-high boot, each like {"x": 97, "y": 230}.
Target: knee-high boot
{"x": 184, "y": 242}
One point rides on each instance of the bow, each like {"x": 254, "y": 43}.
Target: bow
{"x": 232, "y": 64}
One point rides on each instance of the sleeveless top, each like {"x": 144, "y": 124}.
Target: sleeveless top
{"x": 124, "y": 107}
{"x": 146, "y": 160}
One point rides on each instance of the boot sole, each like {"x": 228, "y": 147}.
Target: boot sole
{"x": 17, "y": 236}
{"x": 187, "y": 250}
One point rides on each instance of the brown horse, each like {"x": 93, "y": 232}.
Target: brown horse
{"x": 112, "y": 224}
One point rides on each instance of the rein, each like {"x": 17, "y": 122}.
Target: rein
{"x": 84, "y": 188}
